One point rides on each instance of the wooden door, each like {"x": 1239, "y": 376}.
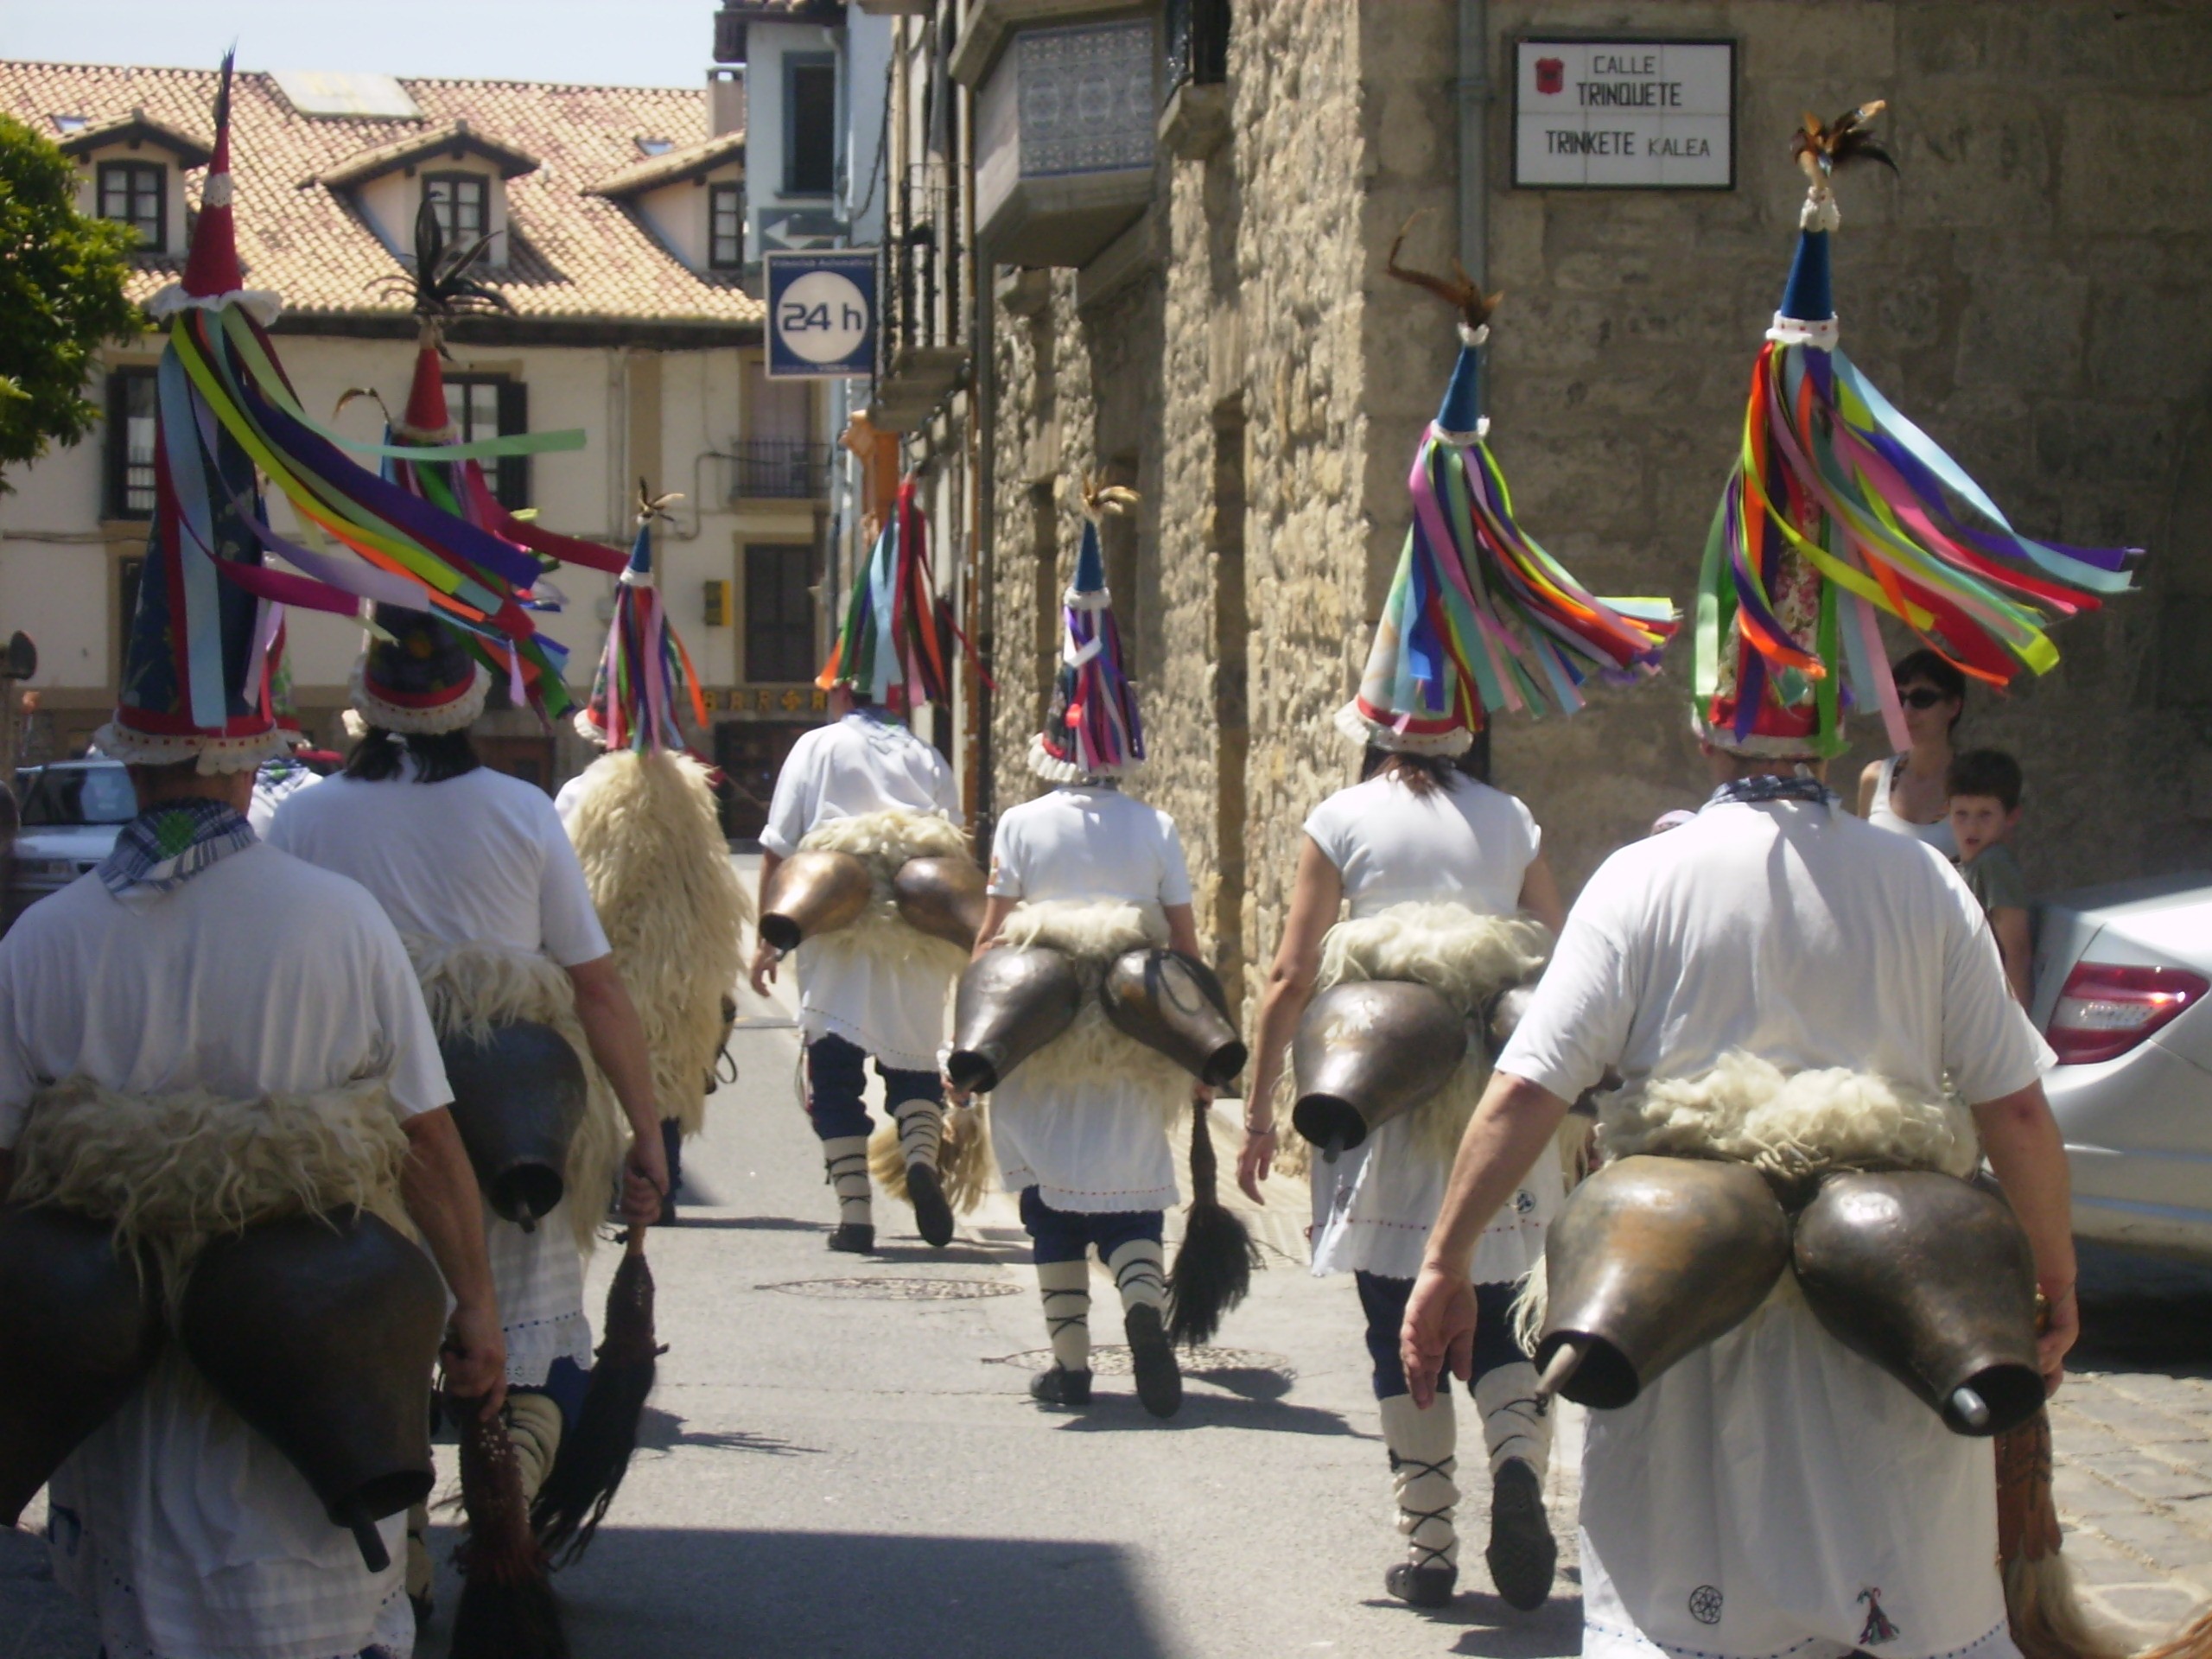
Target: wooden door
{"x": 750, "y": 753}
{"x": 529, "y": 758}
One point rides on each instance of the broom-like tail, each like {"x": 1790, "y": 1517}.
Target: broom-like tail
{"x": 594, "y": 1455}
{"x": 507, "y": 1610}
{"x": 964, "y": 1167}
{"x": 2047, "y": 1618}
{"x": 1213, "y": 1265}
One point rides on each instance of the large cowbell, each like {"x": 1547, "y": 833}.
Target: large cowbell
{"x": 82, "y": 1327}
{"x": 1175, "y": 1005}
{"x": 321, "y": 1331}
{"x": 811, "y": 893}
{"x": 1932, "y": 1280}
{"x": 941, "y": 897}
{"x": 1368, "y": 1051}
{"x": 1012, "y": 1001}
{"x": 1652, "y": 1259}
{"x": 519, "y": 1095}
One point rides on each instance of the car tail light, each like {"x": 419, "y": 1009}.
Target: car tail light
{"x": 2105, "y": 1010}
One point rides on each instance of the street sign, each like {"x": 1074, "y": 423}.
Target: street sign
{"x": 791, "y": 230}
{"x": 821, "y": 314}
{"x": 1624, "y": 114}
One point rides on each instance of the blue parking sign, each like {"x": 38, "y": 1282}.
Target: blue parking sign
{"x": 821, "y": 313}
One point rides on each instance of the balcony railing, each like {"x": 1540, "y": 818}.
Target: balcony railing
{"x": 1196, "y": 42}
{"x": 787, "y": 469}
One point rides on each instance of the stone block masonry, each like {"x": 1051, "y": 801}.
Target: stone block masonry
{"x": 2029, "y": 290}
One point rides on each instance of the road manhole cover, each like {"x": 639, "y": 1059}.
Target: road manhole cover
{"x": 1113, "y": 1361}
{"x": 888, "y": 1288}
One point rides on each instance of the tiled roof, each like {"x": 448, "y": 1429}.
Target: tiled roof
{"x": 672, "y": 168}
{"x": 137, "y": 126}
{"x": 573, "y": 256}
{"x": 456, "y": 137}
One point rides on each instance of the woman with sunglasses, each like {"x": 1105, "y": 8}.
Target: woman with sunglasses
{"x": 1906, "y": 792}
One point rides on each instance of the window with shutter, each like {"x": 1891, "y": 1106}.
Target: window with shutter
{"x": 779, "y": 613}
{"x": 137, "y": 193}
{"x": 494, "y": 405}
{"x": 810, "y": 124}
{"x": 129, "y": 488}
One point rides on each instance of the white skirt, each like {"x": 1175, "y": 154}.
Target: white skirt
{"x": 891, "y": 1007}
{"x": 189, "y": 1535}
{"x": 1773, "y": 1494}
{"x": 1379, "y": 1211}
{"x": 539, "y": 1278}
{"x": 1101, "y": 1146}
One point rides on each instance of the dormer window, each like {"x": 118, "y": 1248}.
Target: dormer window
{"x": 725, "y": 226}
{"x": 655, "y": 146}
{"x": 66, "y": 125}
{"x": 137, "y": 193}
{"x": 461, "y": 202}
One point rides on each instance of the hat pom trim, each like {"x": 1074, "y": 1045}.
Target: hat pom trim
{"x": 263, "y": 305}
{"x": 1354, "y": 725}
{"x": 420, "y": 722}
{"x": 1053, "y": 769}
{"x": 215, "y": 754}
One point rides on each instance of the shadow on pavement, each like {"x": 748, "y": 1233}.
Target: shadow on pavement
{"x": 663, "y": 1431}
{"x": 653, "y": 1594}
{"x": 1115, "y": 1413}
{"x": 749, "y": 1224}
{"x": 981, "y": 1254}
{"x": 2142, "y": 1312}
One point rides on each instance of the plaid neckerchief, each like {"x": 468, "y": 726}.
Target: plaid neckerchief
{"x": 1766, "y": 787}
{"x": 166, "y": 845}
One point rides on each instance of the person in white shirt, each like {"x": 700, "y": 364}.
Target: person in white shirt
{"x": 477, "y": 873}
{"x": 1448, "y": 891}
{"x": 1079, "y": 1128}
{"x": 1783, "y": 986}
{"x": 866, "y": 784}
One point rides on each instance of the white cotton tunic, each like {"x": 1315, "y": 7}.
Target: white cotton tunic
{"x": 1465, "y": 844}
{"x": 187, "y": 1534}
{"x": 1762, "y": 1495}
{"x": 1102, "y": 1147}
{"x": 480, "y": 859}
{"x": 893, "y": 1010}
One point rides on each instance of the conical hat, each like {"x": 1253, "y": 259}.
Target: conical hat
{"x": 417, "y": 676}
{"x": 1093, "y": 729}
{"x": 645, "y": 673}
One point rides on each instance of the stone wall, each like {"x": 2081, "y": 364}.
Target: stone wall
{"x": 2031, "y": 291}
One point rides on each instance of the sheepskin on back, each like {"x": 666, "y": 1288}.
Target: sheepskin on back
{"x": 650, "y": 844}
{"x": 885, "y": 841}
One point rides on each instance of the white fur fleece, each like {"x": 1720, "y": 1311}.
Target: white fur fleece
{"x": 885, "y": 841}
{"x": 171, "y": 1171}
{"x": 653, "y": 855}
{"x": 1468, "y": 957}
{"x": 1747, "y": 1109}
{"x": 471, "y": 988}
{"x": 1091, "y": 934}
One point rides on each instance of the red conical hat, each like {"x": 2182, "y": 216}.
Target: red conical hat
{"x": 212, "y": 269}
{"x": 426, "y": 420}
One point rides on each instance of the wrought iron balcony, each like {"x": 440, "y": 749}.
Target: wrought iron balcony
{"x": 922, "y": 345}
{"x": 785, "y": 469}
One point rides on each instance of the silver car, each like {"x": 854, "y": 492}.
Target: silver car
{"x": 69, "y": 815}
{"x": 2123, "y": 976}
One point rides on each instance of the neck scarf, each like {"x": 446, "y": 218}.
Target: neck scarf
{"x": 1766, "y": 787}
{"x": 168, "y": 844}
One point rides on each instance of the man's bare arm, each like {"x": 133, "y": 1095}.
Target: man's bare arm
{"x": 439, "y": 1189}
{"x": 2023, "y": 1146}
{"x": 762, "y": 974}
{"x": 618, "y": 1043}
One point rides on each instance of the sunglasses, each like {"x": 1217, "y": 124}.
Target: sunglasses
{"x": 1922, "y": 697}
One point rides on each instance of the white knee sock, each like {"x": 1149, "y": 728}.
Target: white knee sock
{"x": 1067, "y": 1287}
{"x": 1514, "y": 1425}
{"x": 1139, "y": 1273}
{"x": 1423, "y": 1474}
{"x": 846, "y": 1157}
{"x": 921, "y": 1130}
{"x": 534, "y": 1427}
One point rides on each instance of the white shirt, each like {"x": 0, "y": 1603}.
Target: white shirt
{"x": 851, "y": 767}
{"x": 480, "y": 858}
{"x": 1465, "y": 843}
{"x": 186, "y": 1532}
{"x": 1796, "y": 932}
{"x": 1081, "y": 842}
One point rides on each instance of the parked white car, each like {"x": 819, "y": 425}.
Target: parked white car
{"x": 70, "y": 813}
{"x": 2123, "y": 978}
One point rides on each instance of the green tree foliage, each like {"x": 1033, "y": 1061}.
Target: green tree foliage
{"x": 62, "y": 295}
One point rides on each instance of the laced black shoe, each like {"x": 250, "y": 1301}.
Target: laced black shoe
{"x": 1159, "y": 1380}
{"x": 1060, "y": 1386}
{"x": 1422, "y": 1586}
{"x": 852, "y": 1237}
{"x": 932, "y": 1215}
{"x": 1522, "y": 1555}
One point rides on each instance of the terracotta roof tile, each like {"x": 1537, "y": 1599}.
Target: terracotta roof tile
{"x": 131, "y": 124}
{"x": 447, "y": 138}
{"x": 572, "y": 256}
{"x": 672, "y": 168}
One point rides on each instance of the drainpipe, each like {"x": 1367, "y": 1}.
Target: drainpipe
{"x": 1473, "y": 94}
